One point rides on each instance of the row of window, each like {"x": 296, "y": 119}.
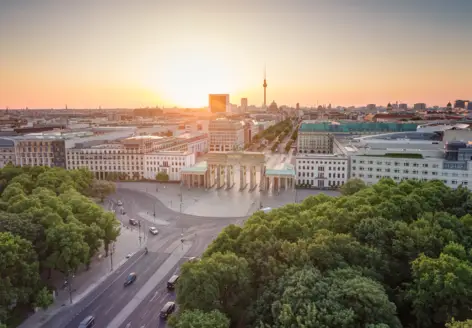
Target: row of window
{"x": 405, "y": 171}
{"x": 321, "y": 175}
{"x": 322, "y": 162}
{"x": 397, "y": 178}
{"x": 388, "y": 163}
{"x": 321, "y": 168}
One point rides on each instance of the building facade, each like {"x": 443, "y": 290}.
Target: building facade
{"x": 169, "y": 162}
{"x": 219, "y": 103}
{"x": 321, "y": 171}
{"x": 226, "y": 135}
{"x": 315, "y": 142}
{"x": 40, "y": 151}
{"x": 373, "y": 168}
{"x": 7, "y": 152}
{"x": 137, "y": 157}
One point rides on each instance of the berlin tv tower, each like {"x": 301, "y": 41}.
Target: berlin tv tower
{"x": 265, "y": 87}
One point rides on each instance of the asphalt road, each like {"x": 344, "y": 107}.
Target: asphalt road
{"x": 110, "y": 303}
{"x": 109, "y": 298}
{"x": 148, "y": 313}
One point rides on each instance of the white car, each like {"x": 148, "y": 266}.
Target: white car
{"x": 153, "y": 230}
{"x": 119, "y": 203}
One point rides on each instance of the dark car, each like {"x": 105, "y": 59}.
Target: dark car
{"x": 172, "y": 281}
{"x": 133, "y": 222}
{"x": 167, "y": 310}
{"x": 88, "y": 322}
{"x": 130, "y": 279}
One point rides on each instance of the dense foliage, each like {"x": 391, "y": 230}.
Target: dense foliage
{"x": 47, "y": 223}
{"x": 281, "y": 130}
{"x": 390, "y": 255}
{"x": 162, "y": 177}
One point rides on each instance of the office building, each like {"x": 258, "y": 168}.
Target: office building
{"x": 418, "y": 155}
{"x": 139, "y": 156}
{"x": 419, "y": 106}
{"x": 243, "y": 105}
{"x": 225, "y": 135}
{"x": 322, "y": 161}
{"x": 219, "y": 103}
{"x": 460, "y": 104}
{"x": 403, "y": 106}
{"x": 169, "y": 162}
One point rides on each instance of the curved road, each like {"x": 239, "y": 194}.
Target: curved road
{"x": 110, "y": 298}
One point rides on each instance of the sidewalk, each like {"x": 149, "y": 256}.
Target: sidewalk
{"x": 221, "y": 202}
{"x": 85, "y": 281}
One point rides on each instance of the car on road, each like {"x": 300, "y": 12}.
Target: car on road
{"x": 133, "y": 222}
{"x": 153, "y": 230}
{"x": 119, "y": 203}
{"x": 130, "y": 279}
{"x": 167, "y": 310}
{"x": 193, "y": 259}
{"x": 88, "y": 322}
{"x": 172, "y": 281}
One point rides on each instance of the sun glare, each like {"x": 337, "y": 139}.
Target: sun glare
{"x": 188, "y": 78}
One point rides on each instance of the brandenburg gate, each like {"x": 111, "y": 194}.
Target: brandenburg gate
{"x": 218, "y": 170}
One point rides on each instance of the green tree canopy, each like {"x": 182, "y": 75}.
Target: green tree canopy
{"x": 47, "y": 222}
{"x": 200, "y": 319}
{"x": 162, "y": 177}
{"x": 387, "y": 255}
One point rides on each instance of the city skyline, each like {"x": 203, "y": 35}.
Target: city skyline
{"x": 117, "y": 55}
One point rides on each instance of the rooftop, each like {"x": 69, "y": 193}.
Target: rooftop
{"x": 350, "y": 126}
{"x": 170, "y": 153}
{"x": 396, "y": 155}
{"x": 281, "y": 169}
{"x": 200, "y": 167}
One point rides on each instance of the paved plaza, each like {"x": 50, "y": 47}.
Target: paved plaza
{"x": 218, "y": 202}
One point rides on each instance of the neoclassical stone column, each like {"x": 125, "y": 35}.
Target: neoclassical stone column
{"x": 229, "y": 177}
{"x": 252, "y": 178}
{"x": 263, "y": 180}
{"x": 220, "y": 172}
{"x": 242, "y": 177}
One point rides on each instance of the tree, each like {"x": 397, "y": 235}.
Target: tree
{"x": 54, "y": 225}
{"x": 102, "y": 188}
{"x": 19, "y": 274}
{"x": 66, "y": 247}
{"x": 352, "y": 186}
{"x": 111, "y": 229}
{"x": 43, "y": 299}
{"x": 441, "y": 288}
{"x": 341, "y": 298}
{"x": 459, "y": 324}
{"x": 220, "y": 281}
{"x": 162, "y": 177}
{"x": 199, "y": 319}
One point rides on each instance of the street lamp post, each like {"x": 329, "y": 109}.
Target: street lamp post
{"x": 69, "y": 285}
{"x": 111, "y": 255}
{"x": 139, "y": 232}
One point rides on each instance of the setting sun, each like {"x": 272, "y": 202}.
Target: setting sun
{"x": 189, "y": 74}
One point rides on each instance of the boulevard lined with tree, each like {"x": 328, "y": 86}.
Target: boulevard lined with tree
{"x": 48, "y": 223}
{"x": 389, "y": 255}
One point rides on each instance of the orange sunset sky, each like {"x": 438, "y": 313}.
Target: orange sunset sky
{"x": 118, "y": 53}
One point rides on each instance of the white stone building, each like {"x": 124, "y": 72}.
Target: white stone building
{"x": 226, "y": 135}
{"x": 169, "y": 162}
{"x": 322, "y": 170}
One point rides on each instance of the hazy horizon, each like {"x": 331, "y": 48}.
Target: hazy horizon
{"x": 121, "y": 54}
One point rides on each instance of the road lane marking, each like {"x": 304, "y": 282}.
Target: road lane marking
{"x": 160, "y": 274}
{"x": 154, "y": 296}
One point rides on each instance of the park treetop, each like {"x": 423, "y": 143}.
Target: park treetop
{"x": 388, "y": 255}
